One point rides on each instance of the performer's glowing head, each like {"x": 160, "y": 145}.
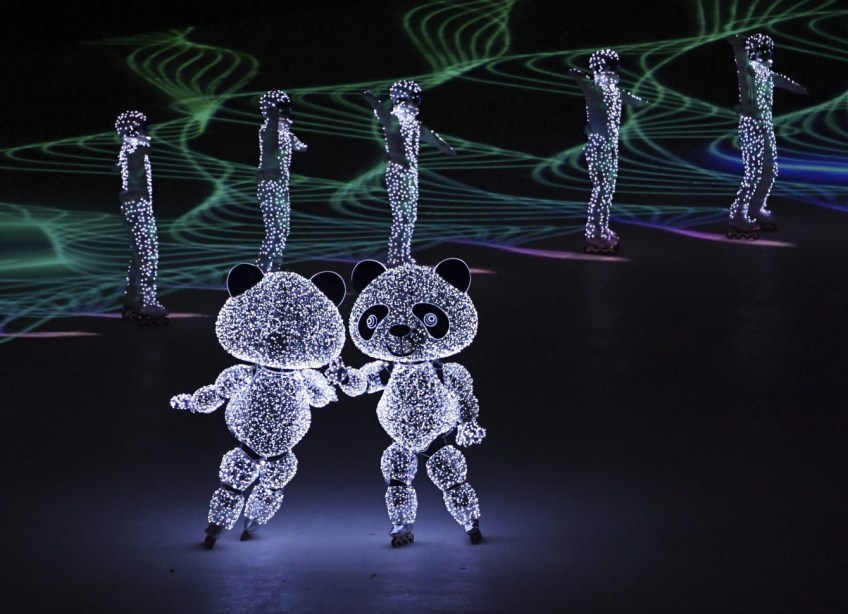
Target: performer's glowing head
{"x": 605, "y": 64}
{"x": 275, "y": 101}
{"x": 406, "y": 95}
{"x": 604, "y": 60}
{"x": 131, "y": 124}
{"x": 760, "y": 48}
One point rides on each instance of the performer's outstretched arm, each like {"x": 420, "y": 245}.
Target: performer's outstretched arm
{"x": 784, "y": 82}
{"x": 432, "y": 138}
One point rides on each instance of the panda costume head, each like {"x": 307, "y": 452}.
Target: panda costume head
{"x": 282, "y": 320}
{"x": 412, "y": 313}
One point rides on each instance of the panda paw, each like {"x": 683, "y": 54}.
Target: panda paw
{"x": 336, "y": 372}
{"x": 469, "y": 433}
{"x": 182, "y": 402}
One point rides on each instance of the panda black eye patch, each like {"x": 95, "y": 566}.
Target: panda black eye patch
{"x": 369, "y": 320}
{"x": 436, "y": 320}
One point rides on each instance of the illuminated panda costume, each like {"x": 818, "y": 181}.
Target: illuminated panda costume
{"x": 286, "y": 327}
{"x": 409, "y": 318}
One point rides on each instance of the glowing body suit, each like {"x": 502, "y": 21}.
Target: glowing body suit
{"x": 276, "y": 143}
{"x": 408, "y": 318}
{"x": 403, "y": 133}
{"x": 756, "y": 132}
{"x": 287, "y": 328}
{"x": 136, "y": 198}
{"x": 604, "y": 100}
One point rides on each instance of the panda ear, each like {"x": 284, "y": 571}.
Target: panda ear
{"x": 455, "y": 272}
{"x": 242, "y": 278}
{"x": 365, "y": 272}
{"x": 331, "y": 284}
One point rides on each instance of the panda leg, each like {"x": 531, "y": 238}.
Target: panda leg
{"x": 399, "y": 466}
{"x": 267, "y": 495}
{"x": 448, "y": 470}
{"x": 237, "y": 473}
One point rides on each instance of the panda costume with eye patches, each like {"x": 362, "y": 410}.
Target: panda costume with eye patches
{"x": 286, "y": 327}
{"x": 409, "y": 318}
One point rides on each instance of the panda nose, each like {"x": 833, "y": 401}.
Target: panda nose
{"x": 400, "y": 330}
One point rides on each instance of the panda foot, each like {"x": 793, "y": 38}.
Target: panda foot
{"x": 402, "y": 536}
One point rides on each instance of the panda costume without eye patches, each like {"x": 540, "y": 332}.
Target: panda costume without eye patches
{"x": 409, "y": 318}
{"x": 287, "y": 327}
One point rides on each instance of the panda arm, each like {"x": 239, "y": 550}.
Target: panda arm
{"x": 458, "y": 380}
{"x": 372, "y": 377}
{"x": 209, "y": 398}
{"x": 377, "y": 375}
{"x": 318, "y": 390}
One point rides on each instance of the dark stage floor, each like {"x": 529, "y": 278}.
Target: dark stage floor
{"x": 666, "y": 429}
{"x": 666, "y": 434}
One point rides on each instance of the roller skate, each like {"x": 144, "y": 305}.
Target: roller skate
{"x": 212, "y": 533}
{"x": 603, "y": 246}
{"x": 765, "y": 220}
{"x": 743, "y": 229}
{"x": 250, "y": 526}
{"x": 130, "y": 307}
{"x": 401, "y": 535}
{"x": 153, "y": 314}
{"x": 473, "y": 532}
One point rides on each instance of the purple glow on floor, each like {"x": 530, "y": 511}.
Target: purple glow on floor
{"x": 556, "y": 254}
{"x": 712, "y": 236}
{"x": 51, "y": 334}
{"x": 172, "y": 316}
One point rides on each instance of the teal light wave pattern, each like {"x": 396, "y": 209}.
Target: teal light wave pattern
{"x": 679, "y": 165}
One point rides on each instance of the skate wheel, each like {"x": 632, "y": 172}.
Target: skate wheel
{"x": 402, "y": 540}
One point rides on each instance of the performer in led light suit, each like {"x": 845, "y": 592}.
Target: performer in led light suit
{"x": 402, "y": 132}
{"x": 276, "y": 143}
{"x": 754, "y": 58}
{"x": 603, "y": 110}
{"x": 136, "y": 199}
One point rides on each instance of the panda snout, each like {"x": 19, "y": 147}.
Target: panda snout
{"x": 400, "y": 331}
